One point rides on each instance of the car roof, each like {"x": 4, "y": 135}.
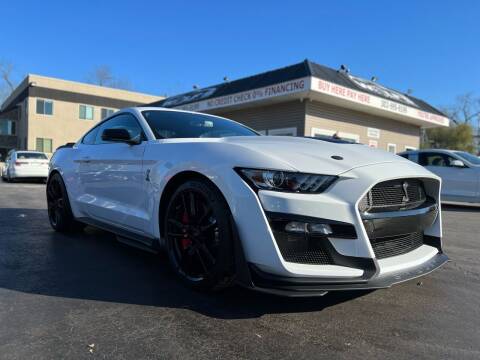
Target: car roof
{"x": 427, "y": 150}
{"x": 29, "y": 151}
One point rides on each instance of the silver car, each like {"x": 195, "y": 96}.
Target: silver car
{"x": 459, "y": 170}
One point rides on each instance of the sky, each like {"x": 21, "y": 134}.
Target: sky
{"x": 160, "y": 47}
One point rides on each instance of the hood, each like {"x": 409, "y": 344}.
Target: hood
{"x": 314, "y": 156}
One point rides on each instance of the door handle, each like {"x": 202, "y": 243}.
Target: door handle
{"x": 85, "y": 159}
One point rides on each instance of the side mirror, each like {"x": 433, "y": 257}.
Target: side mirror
{"x": 119, "y": 135}
{"x": 457, "y": 163}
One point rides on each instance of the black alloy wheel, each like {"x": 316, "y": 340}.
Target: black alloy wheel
{"x": 55, "y": 203}
{"x": 198, "y": 236}
{"x": 59, "y": 211}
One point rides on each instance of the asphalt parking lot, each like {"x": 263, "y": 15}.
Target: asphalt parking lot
{"x": 88, "y": 296}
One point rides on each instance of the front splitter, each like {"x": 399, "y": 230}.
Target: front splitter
{"x": 302, "y": 287}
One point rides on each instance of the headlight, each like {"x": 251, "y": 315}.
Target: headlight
{"x": 278, "y": 180}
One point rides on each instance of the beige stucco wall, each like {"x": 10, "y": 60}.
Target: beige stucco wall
{"x": 329, "y": 117}
{"x": 62, "y": 127}
{"x": 65, "y": 124}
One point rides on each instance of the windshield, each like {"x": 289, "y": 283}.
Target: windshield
{"x": 172, "y": 124}
{"x": 472, "y": 159}
{"x": 25, "y": 155}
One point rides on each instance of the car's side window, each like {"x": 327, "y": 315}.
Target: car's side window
{"x": 449, "y": 160}
{"x": 432, "y": 159}
{"x": 89, "y": 138}
{"x": 413, "y": 157}
{"x": 124, "y": 121}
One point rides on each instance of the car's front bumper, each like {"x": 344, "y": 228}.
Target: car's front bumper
{"x": 354, "y": 265}
{"x": 297, "y": 287}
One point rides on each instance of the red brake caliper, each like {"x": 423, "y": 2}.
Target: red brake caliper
{"x": 185, "y": 242}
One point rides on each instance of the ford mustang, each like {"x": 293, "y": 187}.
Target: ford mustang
{"x": 284, "y": 215}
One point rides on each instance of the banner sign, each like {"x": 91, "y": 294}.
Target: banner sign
{"x": 204, "y": 99}
{"x": 288, "y": 87}
{"x": 373, "y": 101}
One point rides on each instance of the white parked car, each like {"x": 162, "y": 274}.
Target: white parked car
{"x": 21, "y": 164}
{"x": 459, "y": 170}
{"x": 285, "y": 215}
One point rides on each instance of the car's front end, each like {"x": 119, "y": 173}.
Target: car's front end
{"x": 372, "y": 226}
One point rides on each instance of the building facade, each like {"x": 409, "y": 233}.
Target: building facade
{"x": 44, "y": 113}
{"x": 308, "y": 99}
{"x": 304, "y": 99}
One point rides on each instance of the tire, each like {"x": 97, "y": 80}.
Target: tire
{"x": 198, "y": 236}
{"x": 59, "y": 211}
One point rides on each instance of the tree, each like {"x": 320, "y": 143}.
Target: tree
{"x": 455, "y": 137}
{"x": 102, "y": 75}
{"x": 6, "y": 82}
{"x": 466, "y": 109}
{"x": 465, "y": 120}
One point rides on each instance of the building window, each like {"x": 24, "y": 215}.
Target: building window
{"x": 86, "y": 112}
{"x": 107, "y": 112}
{"x": 373, "y": 133}
{"x": 392, "y": 148}
{"x": 44, "y": 145}
{"x": 7, "y": 127}
{"x": 283, "y": 132}
{"x": 44, "y": 107}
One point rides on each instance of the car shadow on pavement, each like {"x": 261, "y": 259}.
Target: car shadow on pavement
{"x": 93, "y": 266}
{"x": 472, "y": 208}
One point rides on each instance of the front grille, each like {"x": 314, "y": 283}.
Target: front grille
{"x": 396, "y": 245}
{"x": 298, "y": 248}
{"x": 394, "y": 195}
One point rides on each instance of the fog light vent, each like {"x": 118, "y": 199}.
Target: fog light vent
{"x": 304, "y": 228}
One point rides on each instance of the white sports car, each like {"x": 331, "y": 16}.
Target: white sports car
{"x": 289, "y": 216}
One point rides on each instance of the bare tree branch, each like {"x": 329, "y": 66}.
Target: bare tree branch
{"x": 102, "y": 75}
{"x": 466, "y": 109}
{"x": 6, "y": 70}
{"x": 7, "y": 84}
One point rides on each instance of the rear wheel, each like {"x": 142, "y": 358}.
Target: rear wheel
{"x": 199, "y": 237}
{"x": 59, "y": 211}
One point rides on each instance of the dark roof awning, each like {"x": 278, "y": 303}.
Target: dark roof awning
{"x": 328, "y": 82}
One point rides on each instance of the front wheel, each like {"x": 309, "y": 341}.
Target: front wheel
{"x": 198, "y": 236}
{"x": 59, "y": 211}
